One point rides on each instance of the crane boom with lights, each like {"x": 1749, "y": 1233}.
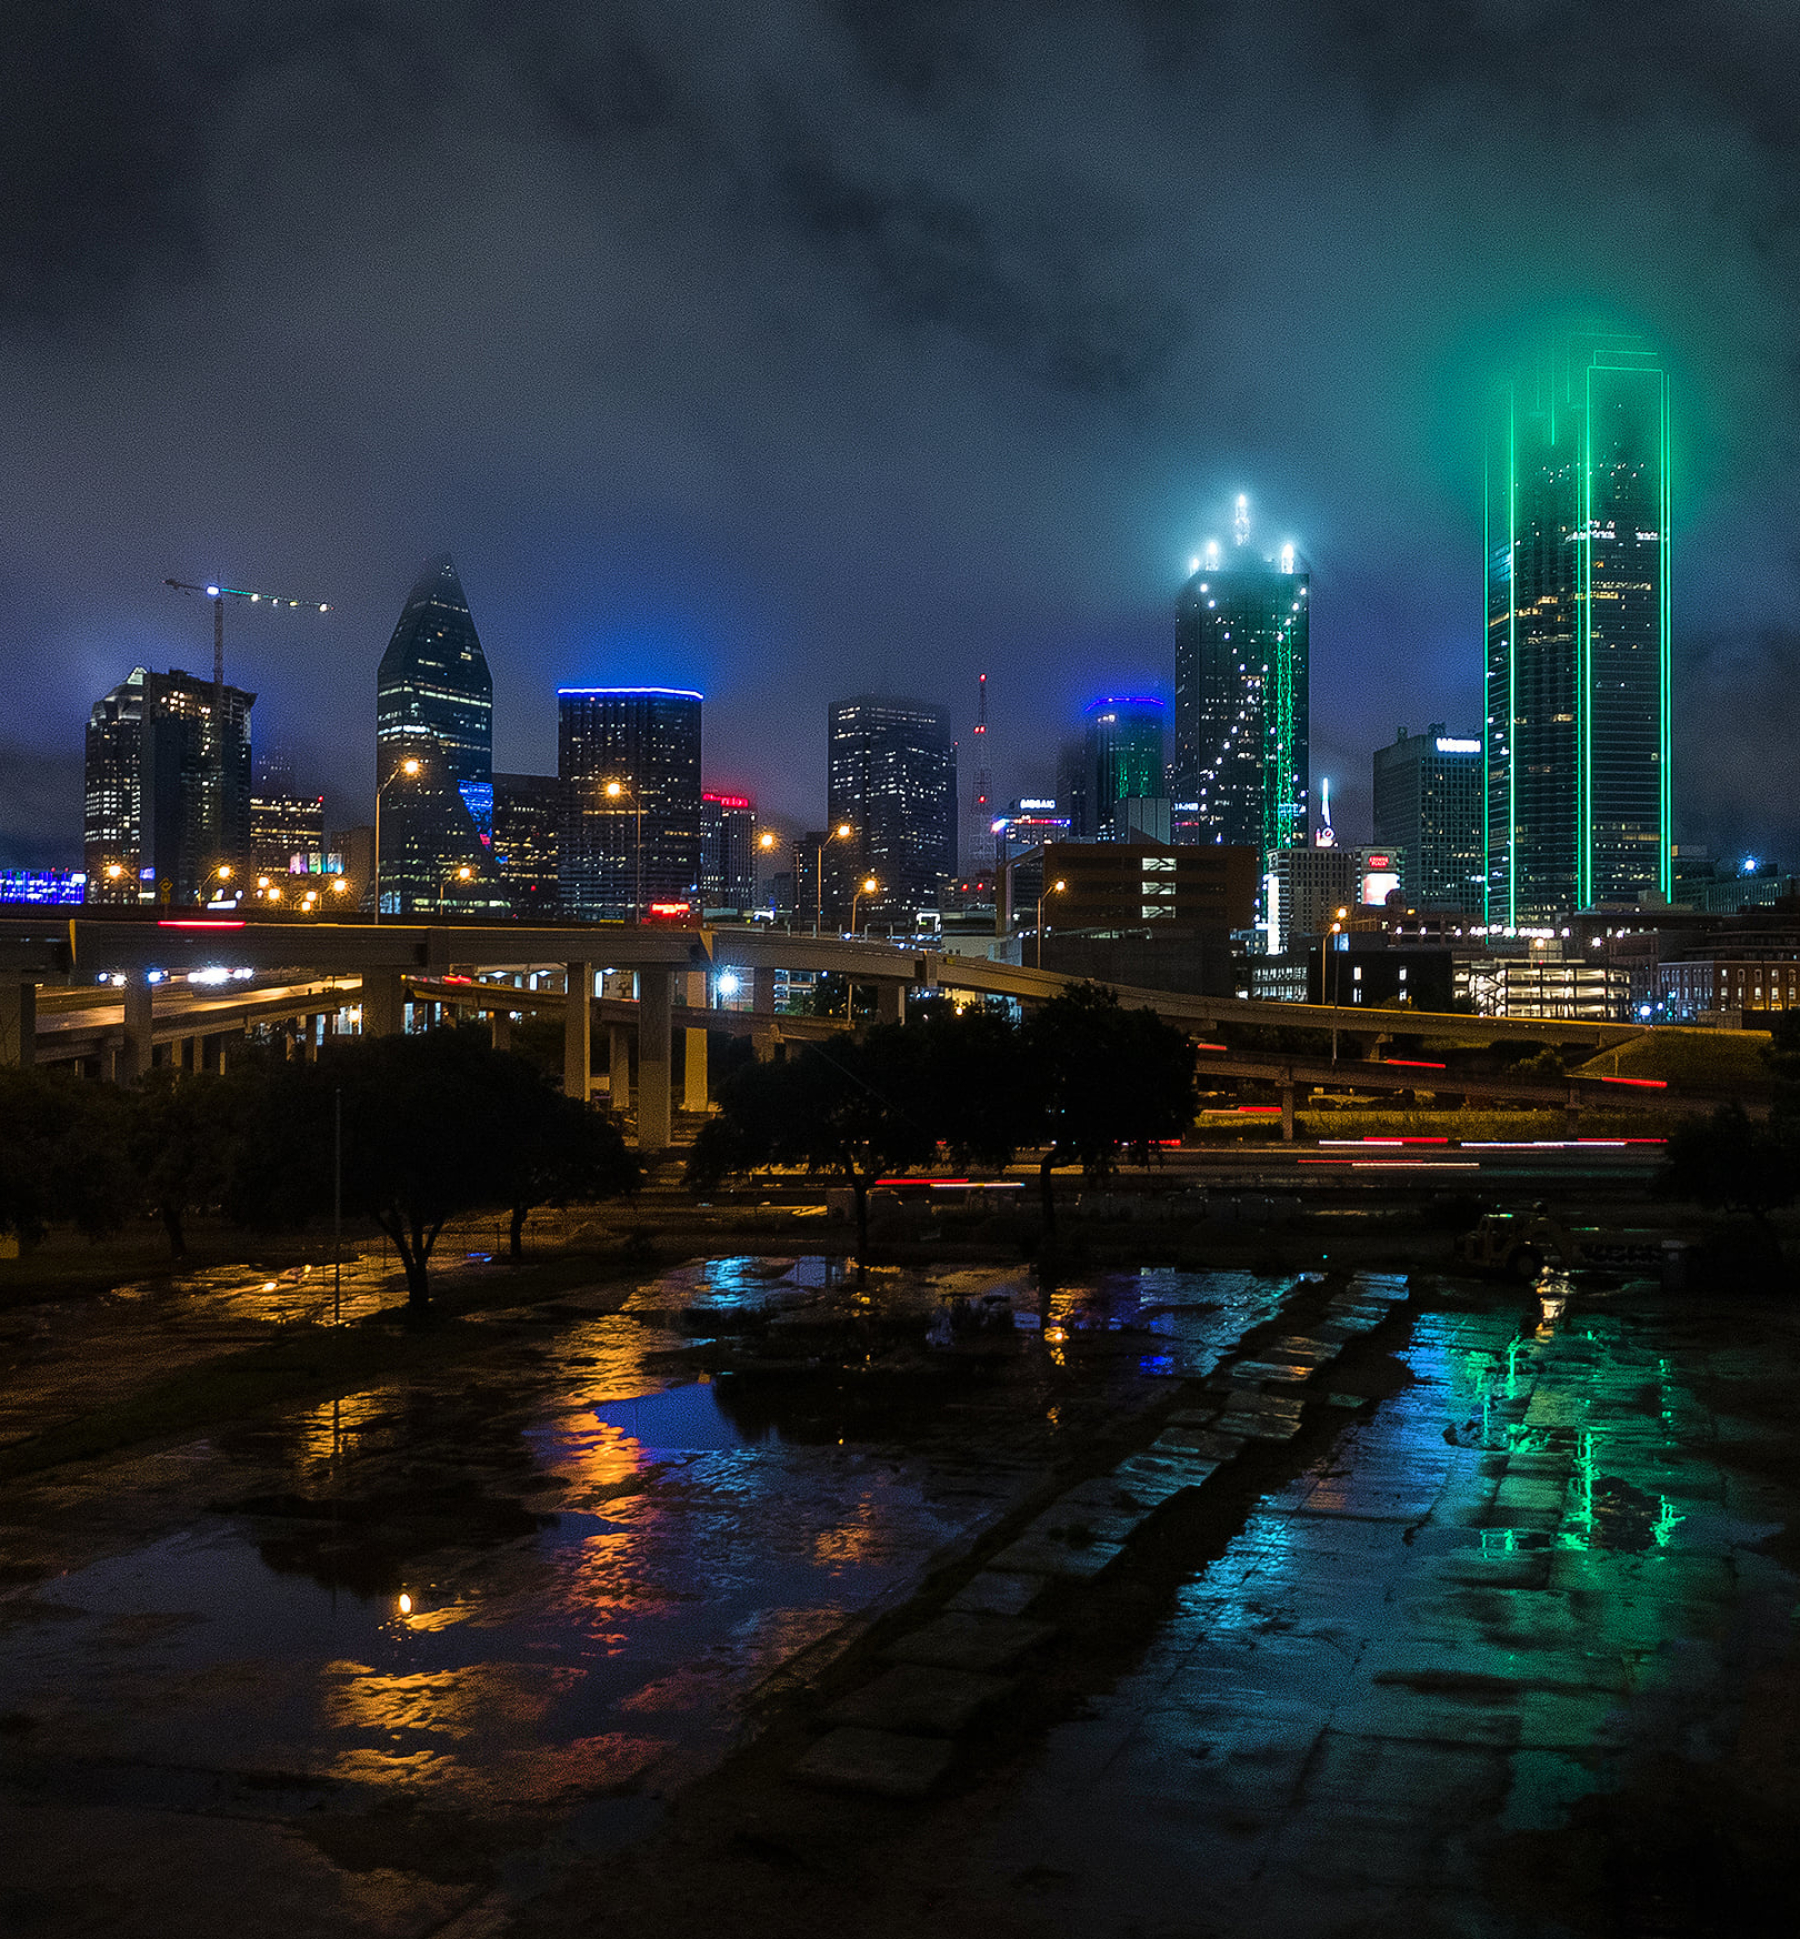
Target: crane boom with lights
{"x": 218, "y": 595}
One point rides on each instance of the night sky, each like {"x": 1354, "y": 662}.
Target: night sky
{"x": 792, "y": 349}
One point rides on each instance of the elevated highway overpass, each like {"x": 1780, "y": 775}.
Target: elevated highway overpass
{"x": 53, "y": 1007}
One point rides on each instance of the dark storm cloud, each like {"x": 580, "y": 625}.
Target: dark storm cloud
{"x": 806, "y": 345}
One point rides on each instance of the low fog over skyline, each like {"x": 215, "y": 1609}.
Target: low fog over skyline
{"x": 818, "y": 348}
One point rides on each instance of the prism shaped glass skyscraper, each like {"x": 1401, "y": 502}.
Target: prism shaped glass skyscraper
{"x": 1577, "y": 544}
{"x": 434, "y": 706}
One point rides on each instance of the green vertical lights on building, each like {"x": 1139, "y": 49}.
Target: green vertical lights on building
{"x": 1577, "y": 563}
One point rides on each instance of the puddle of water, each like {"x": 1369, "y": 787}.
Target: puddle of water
{"x": 684, "y": 1419}
{"x": 704, "y": 1531}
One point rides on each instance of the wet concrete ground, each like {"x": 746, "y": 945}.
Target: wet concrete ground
{"x": 1509, "y": 1651}
{"x": 1535, "y": 1576}
{"x": 373, "y": 1662}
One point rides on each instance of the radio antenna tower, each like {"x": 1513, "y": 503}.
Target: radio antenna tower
{"x": 1240, "y": 526}
{"x": 979, "y": 835}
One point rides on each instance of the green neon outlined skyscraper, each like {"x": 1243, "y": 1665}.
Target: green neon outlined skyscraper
{"x": 1577, "y": 559}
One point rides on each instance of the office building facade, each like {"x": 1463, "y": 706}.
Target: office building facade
{"x": 1122, "y": 761}
{"x": 434, "y": 706}
{"x": 629, "y": 762}
{"x": 1577, "y": 550}
{"x": 728, "y": 852}
{"x": 1242, "y": 720}
{"x": 287, "y": 834}
{"x": 529, "y": 811}
{"x": 168, "y": 789}
{"x": 1429, "y": 796}
{"x": 891, "y": 775}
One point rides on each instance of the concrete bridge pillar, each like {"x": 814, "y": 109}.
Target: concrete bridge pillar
{"x": 137, "y": 1056}
{"x": 578, "y": 1029}
{"x": 655, "y": 1003}
{"x": 1287, "y": 1112}
{"x": 618, "y": 1066}
{"x": 1572, "y": 1115}
{"x": 18, "y": 1024}
{"x": 500, "y": 1024}
{"x": 694, "y": 1089}
{"x": 890, "y": 1002}
{"x": 383, "y": 1003}
{"x": 762, "y": 1005}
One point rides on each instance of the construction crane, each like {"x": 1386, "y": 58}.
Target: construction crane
{"x": 218, "y": 595}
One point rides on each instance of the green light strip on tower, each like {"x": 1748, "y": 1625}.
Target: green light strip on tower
{"x": 1512, "y": 656}
{"x": 1584, "y": 652}
{"x": 1278, "y": 749}
{"x": 1487, "y": 674}
{"x": 1665, "y": 851}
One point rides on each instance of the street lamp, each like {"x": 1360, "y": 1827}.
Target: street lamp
{"x": 1055, "y": 888}
{"x": 409, "y": 768}
{"x": 869, "y": 887}
{"x": 464, "y": 873}
{"x": 614, "y": 790}
{"x": 222, "y": 872}
{"x": 841, "y": 833}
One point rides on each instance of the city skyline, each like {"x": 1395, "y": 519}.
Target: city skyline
{"x": 967, "y": 413}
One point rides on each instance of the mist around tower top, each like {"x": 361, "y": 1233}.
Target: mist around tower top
{"x": 793, "y": 353}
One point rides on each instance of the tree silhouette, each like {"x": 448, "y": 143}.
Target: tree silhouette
{"x": 852, "y": 1110}
{"x": 63, "y": 1155}
{"x": 433, "y": 1126}
{"x": 1110, "y": 1082}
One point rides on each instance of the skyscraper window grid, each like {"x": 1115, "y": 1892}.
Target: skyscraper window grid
{"x": 1123, "y": 757}
{"x": 1242, "y": 706}
{"x": 645, "y": 742}
{"x": 158, "y": 825}
{"x": 434, "y": 703}
{"x": 1579, "y": 783}
{"x": 891, "y": 774}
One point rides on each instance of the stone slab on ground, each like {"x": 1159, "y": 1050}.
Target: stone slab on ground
{"x": 1036, "y": 1555}
{"x": 1154, "y": 1478}
{"x": 1304, "y": 1346}
{"x": 1080, "y": 1526}
{"x": 1341, "y": 1332}
{"x": 1102, "y": 1496}
{"x": 1263, "y": 1427}
{"x": 881, "y": 1761}
{"x": 1251, "y": 1373}
{"x": 997, "y": 1593}
{"x": 1193, "y": 1417}
{"x": 1261, "y": 1417}
{"x": 1199, "y": 1445}
{"x": 1523, "y": 1499}
{"x": 963, "y": 1641}
{"x": 918, "y": 1697}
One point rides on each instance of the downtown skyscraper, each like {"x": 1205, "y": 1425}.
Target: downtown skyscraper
{"x": 1242, "y": 719}
{"x": 629, "y": 762}
{"x": 168, "y": 790}
{"x": 1577, "y": 556}
{"x": 891, "y": 777}
{"x": 1122, "y": 786}
{"x": 434, "y": 754}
